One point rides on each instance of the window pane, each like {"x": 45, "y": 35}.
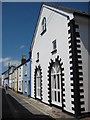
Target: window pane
{"x": 52, "y": 78}
{"x": 52, "y": 70}
{"x": 55, "y": 96}
{"x": 54, "y": 44}
{"x": 37, "y": 55}
{"x": 38, "y": 92}
{"x": 57, "y": 68}
{"x": 43, "y": 27}
{"x": 55, "y": 81}
{"x": 43, "y": 24}
{"x": 58, "y": 82}
{"x": 38, "y": 82}
{"x": 58, "y": 96}
{"x": 52, "y": 95}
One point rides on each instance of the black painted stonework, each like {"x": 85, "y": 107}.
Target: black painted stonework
{"x": 37, "y": 68}
{"x": 62, "y": 79}
{"x": 76, "y": 66}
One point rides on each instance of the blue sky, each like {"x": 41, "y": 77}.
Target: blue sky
{"x": 18, "y": 24}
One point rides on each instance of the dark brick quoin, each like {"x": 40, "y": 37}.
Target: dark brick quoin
{"x": 76, "y": 61}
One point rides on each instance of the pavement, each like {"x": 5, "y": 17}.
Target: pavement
{"x": 15, "y": 107}
{"x": 35, "y": 108}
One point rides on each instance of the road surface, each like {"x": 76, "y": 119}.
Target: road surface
{"x": 14, "y": 107}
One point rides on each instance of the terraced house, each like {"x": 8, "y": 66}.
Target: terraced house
{"x": 15, "y": 79}
{"x": 59, "y": 62}
{"x": 26, "y": 78}
{"x": 20, "y": 75}
{"x": 11, "y": 76}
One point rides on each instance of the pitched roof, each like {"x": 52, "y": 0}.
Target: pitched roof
{"x": 67, "y": 9}
{"x": 5, "y": 72}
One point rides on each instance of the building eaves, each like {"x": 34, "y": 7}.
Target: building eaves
{"x": 22, "y": 63}
{"x": 69, "y": 10}
{"x": 5, "y": 72}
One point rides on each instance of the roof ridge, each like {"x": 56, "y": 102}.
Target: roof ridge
{"x": 66, "y": 8}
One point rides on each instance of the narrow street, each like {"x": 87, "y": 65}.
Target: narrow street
{"x": 13, "y": 107}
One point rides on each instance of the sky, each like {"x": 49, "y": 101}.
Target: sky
{"x": 18, "y": 25}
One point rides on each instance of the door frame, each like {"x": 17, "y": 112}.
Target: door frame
{"x": 57, "y": 90}
{"x": 57, "y": 59}
{"x": 35, "y": 72}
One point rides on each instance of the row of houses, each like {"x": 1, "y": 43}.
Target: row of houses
{"x": 57, "y": 71}
{"x": 18, "y": 78}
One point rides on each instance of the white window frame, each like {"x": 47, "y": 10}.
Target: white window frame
{"x": 37, "y": 55}
{"x": 44, "y": 24}
{"x": 54, "y": 45}
{"x": 38, "y": 87}
{"x": 56, "y": 84}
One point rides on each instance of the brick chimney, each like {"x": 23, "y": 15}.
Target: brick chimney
{"x": 23, "y": 59}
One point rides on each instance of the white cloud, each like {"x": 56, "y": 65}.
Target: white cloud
{"x": 22, "y": 46}
{"x": 4, "y": 59}
{"x": 7, "y": 60}
{"x": 14, "y": 62}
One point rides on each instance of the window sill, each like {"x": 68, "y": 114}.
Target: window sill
{"x": 43, "y": 32}
{"x": 37, "y": 60}
{"x": 54, "y": 51}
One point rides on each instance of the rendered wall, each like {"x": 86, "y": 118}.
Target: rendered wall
{"x": 57, "y": 29}
{"x": 26, "y": 77}
{"x": 15, "y": 79}
{"x": 20, "y": 79}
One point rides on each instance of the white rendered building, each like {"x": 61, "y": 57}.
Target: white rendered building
{"x": 59, "y": 62}
{"x": 11, "y": 77}
{"x": 20, "y": 78}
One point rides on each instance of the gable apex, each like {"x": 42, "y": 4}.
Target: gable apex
{"x": 60, "y": 10}
{"x": 65, "y": 9}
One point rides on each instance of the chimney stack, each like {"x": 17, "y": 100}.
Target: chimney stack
{"x": 23, "y": 59}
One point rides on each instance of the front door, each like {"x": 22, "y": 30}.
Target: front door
{"x": 56, "y": 84}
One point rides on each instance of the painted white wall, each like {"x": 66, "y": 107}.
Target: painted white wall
{"x": 10, "y": 80}
{"x": 57, "y": 28}
{"x": 15, "y": 79}
{"x": 2, "y": 80}
{"x": 4, "y": 76}
{"x": 20, "y": 78}
{"x": 83, "y": 30}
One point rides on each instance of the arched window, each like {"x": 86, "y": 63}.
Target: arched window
{"x": 56, "y": 83}
{"x": 38, "y": 86}
{"x": 43, "y": 25}
{"x": 55, "y": 69}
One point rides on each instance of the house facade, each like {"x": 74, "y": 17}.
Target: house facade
{"x": 4, "y": 76}
{"x": 15, "y": 79}
{"x": 26, "y": 78}
{"x": 59, "y": 62}
{"x": 11, "y": 77}
{"x": 20, "y": 78}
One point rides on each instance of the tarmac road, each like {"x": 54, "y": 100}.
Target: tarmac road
{"x": 14, "y": 107}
